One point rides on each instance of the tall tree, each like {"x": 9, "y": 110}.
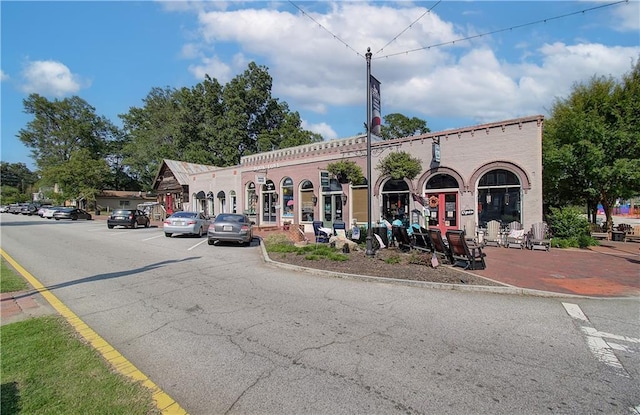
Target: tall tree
{"x": 61, "y": 127}
{"x": 17, "y": 181}
{"x": 398, "y": 125}
{"x": 82, "y": 176}
{"x": 591, "y": 145}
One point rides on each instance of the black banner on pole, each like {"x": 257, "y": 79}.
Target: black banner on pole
{"x": 376, "y": 117}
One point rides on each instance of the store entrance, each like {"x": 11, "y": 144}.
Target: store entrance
{"x": 443, "y": 211}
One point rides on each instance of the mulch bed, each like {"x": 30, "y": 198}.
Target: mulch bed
{"x": 389, "y": 263}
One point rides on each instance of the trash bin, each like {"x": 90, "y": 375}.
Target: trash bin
{"x": 617, "y": 236}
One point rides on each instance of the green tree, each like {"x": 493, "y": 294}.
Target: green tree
{"x": 346, "y": 171}
{"x": 398, "y": 125}
{"x": 82, "y": 176}
{"x": 591, "y": 145}
{"x": 61, "y": 127}
{"x": 399, "y": 165}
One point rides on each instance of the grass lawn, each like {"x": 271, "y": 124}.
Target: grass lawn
{"x": 47, "y": 369}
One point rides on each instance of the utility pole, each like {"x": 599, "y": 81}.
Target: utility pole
{"x": 369, "y": 251}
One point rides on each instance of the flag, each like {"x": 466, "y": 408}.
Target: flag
{"x": 376, "y": 117}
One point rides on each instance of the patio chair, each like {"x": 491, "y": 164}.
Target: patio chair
{"x": 539, "y": 238}
{"x": 516, "y": 237}
{"x": 463, "y": 254}
{"x": 340, "y": 229}
{"x": 634, "y": 235}
{"x": 321, "y": 236}
{"x": 401, "y": 238}
{"x": 493, "y": 236}
{"x": 440, "y": 249}
{"x": 421, "y": 240}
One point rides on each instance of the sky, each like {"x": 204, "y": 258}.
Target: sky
{"x": 451, "y": 63}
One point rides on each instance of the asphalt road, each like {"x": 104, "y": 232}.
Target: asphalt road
{"x": 221, "y": 332}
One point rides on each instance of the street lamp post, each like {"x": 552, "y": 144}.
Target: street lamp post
{"x": 369, "y": 251}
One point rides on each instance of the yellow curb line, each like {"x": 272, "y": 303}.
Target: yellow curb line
{"x": 163, "y": 401}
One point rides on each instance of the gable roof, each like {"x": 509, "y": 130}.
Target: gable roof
{"x": 182, "y": 170}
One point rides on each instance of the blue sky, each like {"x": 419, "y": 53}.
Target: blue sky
{"x": 112, "y": 54}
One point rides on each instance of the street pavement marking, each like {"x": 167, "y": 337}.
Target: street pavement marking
{"x": 152, "y": 237}
{"x": 198, "y": 244}
{"x": 163, "y": 402}
{"x": 602, "y": 350}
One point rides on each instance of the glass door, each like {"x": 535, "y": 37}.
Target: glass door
{"x": 269, "y": 202}
{"x": 443, "y": 211}
{"x": 332, "y": 209}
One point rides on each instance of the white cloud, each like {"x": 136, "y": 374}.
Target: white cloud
{"x": 627, "y": 17}
{"x": 3, "y": 76}
{"x": 315, "y": 68}
{"x": 322, "y": 128}
{"x": 49, "y": 78}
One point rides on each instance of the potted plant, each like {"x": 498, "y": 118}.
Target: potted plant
{"x": 346, "y": 171}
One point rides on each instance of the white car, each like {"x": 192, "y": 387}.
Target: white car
{"x": 48, "y": 212}
{"x": 192, "y": 223}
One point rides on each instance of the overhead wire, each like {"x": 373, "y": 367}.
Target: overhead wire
{"x": 409, "y": 27}
{"x": 451, "y": 42}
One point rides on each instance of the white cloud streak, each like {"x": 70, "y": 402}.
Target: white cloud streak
{"x": 49, "y": 78}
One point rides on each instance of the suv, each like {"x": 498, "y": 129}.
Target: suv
{"x": 130, "y": 218}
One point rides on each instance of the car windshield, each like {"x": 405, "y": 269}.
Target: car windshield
{"x": 184, "y": 215}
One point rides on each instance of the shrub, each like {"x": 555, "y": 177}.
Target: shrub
{"x": 568, "y": 223}
{"x": 393, "y": 259}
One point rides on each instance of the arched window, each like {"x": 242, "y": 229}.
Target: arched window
{"x": 395, "y": 201}
{"x": 251, "y": 198}
{"x": 308, "y": 201}
{"x": 499, "y": 197}
{"x": 287, "y": 200}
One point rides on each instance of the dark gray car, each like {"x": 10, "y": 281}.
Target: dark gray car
{"x": 130, "y": 218}
{"x": 230, "y": 227}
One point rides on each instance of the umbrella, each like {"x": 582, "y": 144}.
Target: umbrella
{"x": 290, "y": 202}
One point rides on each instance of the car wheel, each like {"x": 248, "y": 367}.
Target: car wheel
{"x": 211, "y": 242}
{"x": 146, "y": 225}
{"x": 110, "y": 226}
{"x": 57, "y": 218}
{"x": 74, "y": 217}
{"x": 168, "y": 235}
{"x": 135, "y": 224}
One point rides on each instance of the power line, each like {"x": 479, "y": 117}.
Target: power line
{"x": 326, "y": 30}
{"x": 409, "y": 27}
{"x": 451, "y": 42}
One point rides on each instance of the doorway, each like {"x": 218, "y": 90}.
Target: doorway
{"x": 443, "y": 211}
{"x": 332, "y": 209}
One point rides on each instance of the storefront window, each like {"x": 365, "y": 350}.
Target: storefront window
{"x": 307, "y": 204}
{"x": 499, "y": 198}
{"x": 288, "y": 202}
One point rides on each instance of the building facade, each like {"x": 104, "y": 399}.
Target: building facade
{"x": 469, "y": 176}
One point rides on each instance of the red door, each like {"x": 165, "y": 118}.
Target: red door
{"x": 443, "y": 211}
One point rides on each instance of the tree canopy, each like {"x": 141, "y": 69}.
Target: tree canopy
{"x": 591, "y": 146}
{"x": 210, "y": 123}
{"x": 398, "y": 125}
{"x": 399, "y": 165}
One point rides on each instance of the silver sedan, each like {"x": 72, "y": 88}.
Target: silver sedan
{"x": 192, "y": 223}
{"x": 230, "y": 227}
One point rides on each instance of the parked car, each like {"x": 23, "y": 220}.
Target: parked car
{"x": 193, "y": 223}
{"x": 4, "y": 209}
{"x": 42, "y": 208}
{"x": 48, "y": 212}
{"x": 230, "y": 227}
{"x": 71, "y": 213}
{"x": 130, "y": 218}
